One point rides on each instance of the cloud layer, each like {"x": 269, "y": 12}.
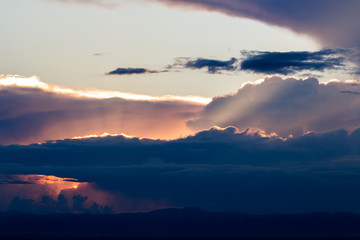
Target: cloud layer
{"x": 216, "y": 169}
{"x": 34, "y": 111}
{"x": 286, "y": 106}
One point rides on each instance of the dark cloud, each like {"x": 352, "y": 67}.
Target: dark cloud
{"x": 129, "y": 71}
{"x": 333, "y": 22}
{"x": 264, "y": 62}
{"x": 286, "y": 106}
{"x": 212, "y": 65}
{"x": 351, "y": 92}
{"x": 217, "y": 169}
{"x": 47, "y": 205}
{"x": 276, "y": 62}
{"x": 291, "y": 62}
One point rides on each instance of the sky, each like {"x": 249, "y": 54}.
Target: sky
{"x": 110, "y": 106}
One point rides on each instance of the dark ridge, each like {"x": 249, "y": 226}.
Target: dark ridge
{"x": 187, "y": 223}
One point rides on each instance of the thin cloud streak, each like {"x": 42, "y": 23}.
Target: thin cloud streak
{"x": 20, "y": 81}
{"x": 213, "y": 66}
{"x": 131, "y": 71}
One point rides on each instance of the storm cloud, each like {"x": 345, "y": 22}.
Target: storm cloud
{"x": 215, "y": 169}
{"x": 286, "y": 106}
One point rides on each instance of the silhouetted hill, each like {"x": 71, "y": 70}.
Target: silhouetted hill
{"x": 180, "y": 223}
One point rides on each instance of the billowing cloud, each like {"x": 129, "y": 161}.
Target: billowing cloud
{"x": 286, "y": 106}
{"x": 129, "y": 71}
{"x": 215, "y": 169}
{"x": 333, "y": 22}
{"x": 32, "y": 111}
{"x": 291, "y": 62}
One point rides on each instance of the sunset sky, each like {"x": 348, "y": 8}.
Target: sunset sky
{"x": 135, "y": 105}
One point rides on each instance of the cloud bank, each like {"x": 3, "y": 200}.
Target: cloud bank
{"x": 215, "y": 169}
{"x": 286, "y": 106}
{"x": 32, "y": 111}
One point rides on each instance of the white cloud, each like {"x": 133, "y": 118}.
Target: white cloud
{"x": 286, "y": 106}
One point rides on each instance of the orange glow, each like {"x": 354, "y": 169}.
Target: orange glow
{"x": 102, "y": 135}
{"x": 36, "y": 186}
{"x": 55, "y": 184}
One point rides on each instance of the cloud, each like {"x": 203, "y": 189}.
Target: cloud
{"x": 129, "y": 71}
{"x": 213, "y": 66}
{"x": 286, "y": 106}
{"x": 32, "y": 111}
{"x": 276, "y": 62}
{"x": 44, "y": 194}
{"x": 47, "y": 205}
{"x": 291, "y": 62}
{"x": 253, "y": 167}
{"x": 332, "y": 22}
{"x": 215, "y": 169}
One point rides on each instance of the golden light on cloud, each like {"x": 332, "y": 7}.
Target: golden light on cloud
{"x": 36, "y": 187}
{"x": 19, "y": 81}
{"x": 103, "y": 135}
{"x": 34, "y": 82}
{"x": 63, "y": 113}
{"x": 55, "y": 184}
